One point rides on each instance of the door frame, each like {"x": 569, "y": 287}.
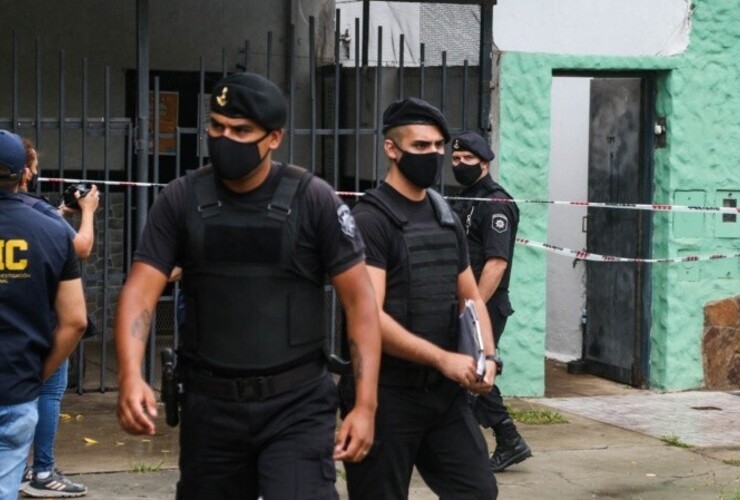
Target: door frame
{"x": 640, "y": 372}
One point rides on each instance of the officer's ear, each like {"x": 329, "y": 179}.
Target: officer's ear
{"x": 274, "y": 138}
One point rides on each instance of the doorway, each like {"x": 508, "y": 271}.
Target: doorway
{"x": 598, "y": 313}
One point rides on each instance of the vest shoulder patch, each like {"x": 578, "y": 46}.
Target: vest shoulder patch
{"x": 499, "y": 223}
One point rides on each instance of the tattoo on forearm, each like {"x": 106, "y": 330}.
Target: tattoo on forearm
{"x": 141, "y": 325}
{"x": 354, "y": 353}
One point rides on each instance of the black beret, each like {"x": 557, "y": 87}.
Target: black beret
{"x": 247, "y": 95}
{"x": 413, "y": 111}
{"x": 471, "y": 141}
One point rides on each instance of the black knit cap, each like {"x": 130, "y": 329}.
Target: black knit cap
{"x": 471, "y": 141}
{"x": 413, "y": 111}
{"x": 248, "y": 95}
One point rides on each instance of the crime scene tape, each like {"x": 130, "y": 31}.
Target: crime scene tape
{"x": 623, "y": 206}
{"x": 346, "y": 194}
{"x": 583, "y": 255}
{"x": 66, "y": 180}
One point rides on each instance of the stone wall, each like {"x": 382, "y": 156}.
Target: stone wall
{"x": 721, "y": 344}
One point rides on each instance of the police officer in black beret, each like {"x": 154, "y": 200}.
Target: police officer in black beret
{"x": 418, "y": 263}
{"x": 491, "y": 230}
{"x": 255, "y": 239}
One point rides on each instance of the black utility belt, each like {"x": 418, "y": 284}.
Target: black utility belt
{"x": 252, "y": 388}
{"x": 410, "y": 377}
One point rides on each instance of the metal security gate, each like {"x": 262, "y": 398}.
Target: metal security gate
{"x": 334, "y": 129}
{"x": 620, "y": 171}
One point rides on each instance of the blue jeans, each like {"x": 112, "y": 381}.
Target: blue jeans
{"x": 17, "y": 423}
{"x": 50, "y": 401}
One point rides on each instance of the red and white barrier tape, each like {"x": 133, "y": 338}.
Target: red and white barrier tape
{"x": 593, "y": 257}
{"x": 105, "y": 183}
{"x": 595, "y": 204}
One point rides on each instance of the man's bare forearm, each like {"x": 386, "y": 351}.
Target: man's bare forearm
{"x": 401, "y": 343}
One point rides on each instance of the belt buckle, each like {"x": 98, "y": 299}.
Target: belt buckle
{"x": 248, "y": 389}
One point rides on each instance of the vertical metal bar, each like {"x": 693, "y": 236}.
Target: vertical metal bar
{"x": 155, "y": 139}
{"x": 378, "y": 99}
{"x": 106, "y": 225}
{"x": 312, "y": 83}
{"x": 291, "y": 92}
{"x": 335, "y": 134}
{"x": 223, "y": 62}
{"x": 421, "y": 71}
{"x": 37, "y": 121}
{"x": 358, "y": 101}
{"x": 365, "y": 31}
{"x": 83, "y": 139}
{"x": 16, "y": 109}
{"x": 61, "y": 119}
{"x": 485, "y": 65}
{"x": 464, "y": 118}
{"x": 177, "y": 155}
{"x": 401, "y": 45}
{"x": 129, "y": 192}
{"x": 142, "y": 111}
{"x": 269, "y": 53}
{"x": 442, "y": 104}
{"x": 246, "y": 55}
{"x": 442, "y": 99}
{"x": 199, "y": 114}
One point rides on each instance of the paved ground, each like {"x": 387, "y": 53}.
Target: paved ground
{"x": 610, "y": 447}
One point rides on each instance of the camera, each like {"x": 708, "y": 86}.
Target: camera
{"x": 68, "y": 197}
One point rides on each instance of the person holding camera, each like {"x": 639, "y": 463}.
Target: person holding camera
{"x": 43, "y": 478}
{"x": 42, "y": 315}
{"x": 256, "y": 240}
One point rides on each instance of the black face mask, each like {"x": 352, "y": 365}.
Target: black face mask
{"x": 421, "y": 170}
{"x": 233, "y": 160}
{"x": 467, "y": 174}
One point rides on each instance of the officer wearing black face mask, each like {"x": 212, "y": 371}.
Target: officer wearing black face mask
{"x": 418, "y": 262}
{"x": 255, "y": 239}
{"x": 491, "y": 231}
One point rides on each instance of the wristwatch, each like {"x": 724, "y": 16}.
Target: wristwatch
{"x": 497, "y": 360}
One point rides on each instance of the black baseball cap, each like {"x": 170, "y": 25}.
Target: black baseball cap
{"x": 12, "y": 154}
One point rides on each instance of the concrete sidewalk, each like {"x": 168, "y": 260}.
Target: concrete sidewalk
{"x": 582, "y": 459}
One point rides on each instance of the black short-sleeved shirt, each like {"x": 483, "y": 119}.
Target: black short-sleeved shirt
{"x": 328, "y": 241}
{"x": 37, "y": 254}
{"x": 491, "y": 226}
{"x": 383, "y": 240}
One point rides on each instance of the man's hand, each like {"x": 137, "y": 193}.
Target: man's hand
{"x": 137, "y": 406}
{"x": 89, "y": 202}
{"x": 355, "y": 435}
{"x": 458, "y": 367}
{"x": 485, "y": 385}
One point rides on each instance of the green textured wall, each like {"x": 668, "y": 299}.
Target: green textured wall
{"x": 699, "y": 94}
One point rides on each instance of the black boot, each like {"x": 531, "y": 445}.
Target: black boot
{"x": 510, "y": 447}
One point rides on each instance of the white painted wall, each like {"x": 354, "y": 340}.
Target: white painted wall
{"x": 566, "y": 296}
{"x": 596, "y": 27}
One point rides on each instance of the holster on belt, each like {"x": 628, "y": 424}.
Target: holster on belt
{"x": 171, "y": 388}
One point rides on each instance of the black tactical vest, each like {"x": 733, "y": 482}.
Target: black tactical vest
{"x": 426, "y": 304}
{"x": 247, "y": 308}
{"x": 470, "y": 215}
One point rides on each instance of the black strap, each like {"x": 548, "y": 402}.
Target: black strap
{"x": 409, "y": 377}
{"x": 382, "y": 201}
{"x": 441, "y": 208}
{"x": 291, "y": 180}
{"x": 252, "y": 388}
{"x": 206, "y": 196}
